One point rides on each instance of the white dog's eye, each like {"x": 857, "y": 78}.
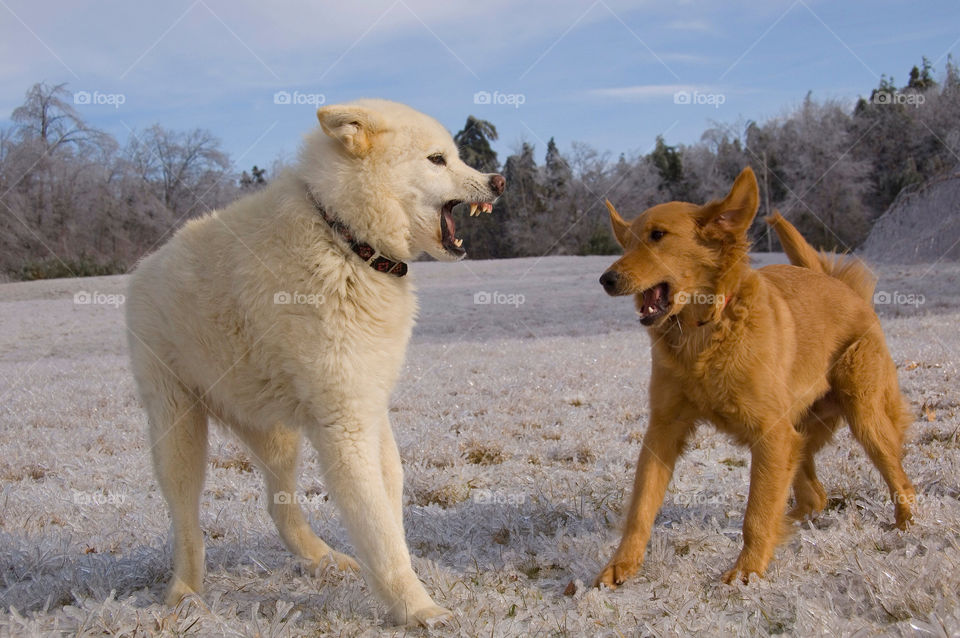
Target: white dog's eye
{"x": 438, "y": 159}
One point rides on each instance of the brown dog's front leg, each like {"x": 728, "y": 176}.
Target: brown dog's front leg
{"x": 662, "y": 445}
{"x": 774, "y": 460}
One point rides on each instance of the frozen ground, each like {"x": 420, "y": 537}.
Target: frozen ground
{"x": 519, "y": 424}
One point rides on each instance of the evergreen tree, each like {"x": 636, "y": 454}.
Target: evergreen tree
{"x": 483, "y": 236}
{"x": 254, "y": 179}
{"x": 557, "y": 174}
{"x": 921, "y": 79}
{"x": 897, "y": 136}
{"x": 474, "y": 142}
{"x": 559, "y": 209}
{"x": 669, "y": 164}
{"x": 524, "y": 200}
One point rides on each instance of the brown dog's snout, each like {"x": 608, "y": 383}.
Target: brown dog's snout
{"x": 498, "y": 183}
{"x": 610, "y": 281}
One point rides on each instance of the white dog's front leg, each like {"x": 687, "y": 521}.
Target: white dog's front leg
{"x": 350, "y": 455}
{"x": 392, "y": 469}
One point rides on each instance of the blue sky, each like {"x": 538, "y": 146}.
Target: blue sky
{"x": 607, "y": 73}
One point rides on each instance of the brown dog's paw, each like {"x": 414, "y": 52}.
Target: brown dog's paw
{"x": 743, "y": 569}
{"x": 903, "y": 504}
{"x": 904, "y": 519}
{"x": 616, "y": 573}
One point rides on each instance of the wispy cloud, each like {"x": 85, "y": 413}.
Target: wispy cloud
{"x": 642, "y": 92}
{"x": 690, "y": 25}
{"x": 688, "y": 58}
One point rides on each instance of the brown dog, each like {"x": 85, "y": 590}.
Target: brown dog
{"x": 775, "y": 357}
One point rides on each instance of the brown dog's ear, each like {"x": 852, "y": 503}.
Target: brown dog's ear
{"x": 620, "y": 227}
{"x": 353, "y": 126}
{"x": 735, "y": 212}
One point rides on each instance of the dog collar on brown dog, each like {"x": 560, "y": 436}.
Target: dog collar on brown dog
{"x": 726, "y": 300}
{"x": 365, "y": 251}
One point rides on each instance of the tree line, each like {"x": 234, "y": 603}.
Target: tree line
{"x": 829, "y": 168}
{"x": 74, "y": 201}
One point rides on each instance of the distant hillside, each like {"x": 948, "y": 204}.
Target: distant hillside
{"x": 921, "y": 226}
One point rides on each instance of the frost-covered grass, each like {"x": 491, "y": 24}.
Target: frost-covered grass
{"x": 519, "y": 424}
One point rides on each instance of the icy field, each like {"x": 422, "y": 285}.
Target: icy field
{"x": 519, "y": 422}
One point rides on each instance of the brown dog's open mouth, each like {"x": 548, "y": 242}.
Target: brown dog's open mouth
{"x": 448, "y": 228}
{"x": 653, "y": 303}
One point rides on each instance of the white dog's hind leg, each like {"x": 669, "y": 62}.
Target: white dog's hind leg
{"x": 350, "y": 456}
{"x": 277, "y": 452}
{"x": 178, "y": 438}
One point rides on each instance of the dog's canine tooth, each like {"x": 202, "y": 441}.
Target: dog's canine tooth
{"x": 457, "y": 242}
{"x": 473, "y": 208}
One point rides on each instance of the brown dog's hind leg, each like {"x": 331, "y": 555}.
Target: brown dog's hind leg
{"x": 775, "y": 457}
{"x": 817, "y": 429}
{"x": 865, "y": 380}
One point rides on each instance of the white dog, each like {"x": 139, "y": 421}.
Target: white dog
{"x": 289, "y": 312}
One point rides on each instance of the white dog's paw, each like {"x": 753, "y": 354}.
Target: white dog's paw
{"x": 177, "y": 590}
{"x": 430, "y": 617}
{"x": 340, "y": 561}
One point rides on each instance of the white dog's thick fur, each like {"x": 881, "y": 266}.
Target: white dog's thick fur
{"x": 260, "y": 316}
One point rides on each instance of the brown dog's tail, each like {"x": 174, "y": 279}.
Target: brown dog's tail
{"x": 846, "y": 268}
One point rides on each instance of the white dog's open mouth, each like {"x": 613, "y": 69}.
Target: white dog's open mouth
{"x": 448, "y": 229}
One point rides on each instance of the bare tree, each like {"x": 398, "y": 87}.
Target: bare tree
{"x": 71, "y": 196}
{"x": 47, "y": 116}
{"x": 187, "y": 170}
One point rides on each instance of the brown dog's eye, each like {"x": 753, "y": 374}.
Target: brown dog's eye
{"x": 438, "y": 159}
{"x": 657, "y": 235}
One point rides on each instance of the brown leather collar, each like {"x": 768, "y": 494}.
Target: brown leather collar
{"x": 726, "y": 301}
{"x": 365, "y": 251}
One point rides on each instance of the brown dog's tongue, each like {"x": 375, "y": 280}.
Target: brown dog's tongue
{"x": 651, "y": 297}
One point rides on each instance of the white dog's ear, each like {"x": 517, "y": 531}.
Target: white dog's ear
{"x": 353, "y": 126}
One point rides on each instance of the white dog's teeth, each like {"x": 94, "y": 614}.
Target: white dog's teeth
{"x": 473, "y": 209}
{"x": 457, "y": 242}
{"x": 487, "y": 208}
